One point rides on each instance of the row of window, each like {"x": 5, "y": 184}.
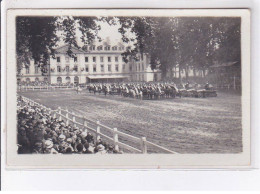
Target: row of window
{"x": 36, "y": 70}
{"x": 102, "y": 68}
{"x": 106, "y": 48}
{"x": 67, "y": 68}
{"x": 67, "y": 59}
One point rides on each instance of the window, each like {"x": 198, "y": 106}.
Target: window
{"x": 109, "y": 68}
{"x": 27, "y": 70}
{"x": 76, "y": 80}
{"x": 94, "y": 59}
{"x": 101, "y": 59}
{"x": 107, "y": 48}
{"x": 67, "y": 69}
{"x": 100, "y": 48}
{"x": 116, "y": 59}
{"x": 92, "y": 48}
{"x": 67, "y": 80}
{"x": 117, "y": 69}
{"x": 75, "y": 59}
{"x": 123, "y": 66}
{"x": 28, "y": 80}
{"x": 67, "y": 59}
{"x": 59, "y": 80}
{"x": 109, "y": 59}
{"x": 86, "y": 59}
{"x": 114, "y": 48}
{"x": 130, "y": 67}
{"x": 36, "y": 69}
{"x": 102, "y": 68}
{"x": 94, "y": 68}
{"x": 76, "y": 68}
{"x": 86, "y": 68}
{"x": 58, "y": 59}
{"x": 58, "y": 69}
{"x": 120, "y": 48}
{"x": 142, "y": 66}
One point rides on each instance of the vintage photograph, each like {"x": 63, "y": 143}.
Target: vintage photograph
{"x": 115, "y": 84}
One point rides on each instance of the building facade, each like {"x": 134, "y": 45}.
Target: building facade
{"x": 96, "y": 63}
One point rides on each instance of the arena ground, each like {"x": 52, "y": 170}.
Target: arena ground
{"x": 184, "y": 125}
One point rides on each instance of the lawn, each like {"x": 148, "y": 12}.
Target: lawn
{"x": 184, "y": 125}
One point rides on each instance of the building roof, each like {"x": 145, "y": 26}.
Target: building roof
{"x": 63, "y": 50}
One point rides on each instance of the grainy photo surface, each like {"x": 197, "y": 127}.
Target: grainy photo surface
{"x": 172, "y": 80}
{"x": 119, "y": 85}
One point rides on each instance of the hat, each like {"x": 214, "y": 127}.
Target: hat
{"x": 100, "y": 147}
{"x": 48, "y": 144}
{"x": 38, "y": 144}
{"x": 62, "y": 137}
{"x": 69, "y": 140}
{"x": 83, "y": 134}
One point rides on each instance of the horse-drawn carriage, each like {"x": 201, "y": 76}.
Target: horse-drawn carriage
{"x": 197, "y": 91}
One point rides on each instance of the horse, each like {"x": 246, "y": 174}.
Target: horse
{"x": 132, "y": 93}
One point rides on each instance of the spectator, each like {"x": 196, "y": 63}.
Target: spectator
{"x": 40, "y": 133}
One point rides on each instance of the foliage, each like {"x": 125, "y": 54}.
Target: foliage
{"x": 186, "y": 42}
{"x": 37, "y": 37}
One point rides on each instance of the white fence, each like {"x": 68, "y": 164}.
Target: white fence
{"x": 139, "y": 145}
{"x": 46, "y": 87}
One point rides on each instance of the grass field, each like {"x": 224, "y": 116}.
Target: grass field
{"x": 186, "y": 125}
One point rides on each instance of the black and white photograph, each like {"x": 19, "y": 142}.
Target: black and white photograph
{"x": 130, "y": 83}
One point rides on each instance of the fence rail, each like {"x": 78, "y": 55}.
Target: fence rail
{"x": 95, "y": 128}
{"x": 46, "y": 87}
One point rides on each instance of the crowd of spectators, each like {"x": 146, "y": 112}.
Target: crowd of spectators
{"x": 40, "y": 133}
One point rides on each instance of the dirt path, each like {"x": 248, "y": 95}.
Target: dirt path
{"x": 186, "y": 125}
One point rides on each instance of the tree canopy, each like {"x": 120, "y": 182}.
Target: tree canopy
{"x": 196, "y": 42}
{"x": 37, "y": 37}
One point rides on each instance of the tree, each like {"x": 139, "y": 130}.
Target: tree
{"x": 189, "y": 42}
{"x": 154, "y": 36}
{"x": 36, "y": 37}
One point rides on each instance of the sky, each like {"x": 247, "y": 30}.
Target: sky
{"x": 106, "y": 31}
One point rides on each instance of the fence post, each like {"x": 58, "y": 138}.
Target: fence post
{"x": 67, "y": 117}
{"x": 59, "y": 111}
{"x": 234, "y": 82}
{"x": 143, "y": 144}
{"x": 54, "y": 115}
{"x": 85, "y": 125}
{"x": 115, "y": 138}
{"x": 49, "y": 111}
{"x": 74, "y": 119}
{"x": 98, "y": 131}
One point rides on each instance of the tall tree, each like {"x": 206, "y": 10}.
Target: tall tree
{"x": 37, "y": 37}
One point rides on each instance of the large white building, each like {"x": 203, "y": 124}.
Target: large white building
{"x": 101, "y": 62}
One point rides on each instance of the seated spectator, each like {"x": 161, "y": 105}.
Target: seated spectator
{"x": 40, "y": 133}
